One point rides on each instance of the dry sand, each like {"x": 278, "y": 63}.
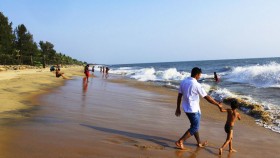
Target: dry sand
{"x": 115, "y": 118}
{"x": 17, "y": 87}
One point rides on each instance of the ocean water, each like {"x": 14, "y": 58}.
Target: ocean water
{"x": 252, "y": 80}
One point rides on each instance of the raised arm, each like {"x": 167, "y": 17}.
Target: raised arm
{"x": 178, "y": 110}
{"x": 212, "y": 101}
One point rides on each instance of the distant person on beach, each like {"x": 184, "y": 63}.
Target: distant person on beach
{"x": 58, "y": 74}
{"x": 86, "y": 71}
{"x": 216, "y": 77}
{"x": 100, "y": 68}
{"x": 103, "y": 69}
{"x": 232, "y": 115}
{"x": 92, "y": 69}
{"x": 190, "y": 90}
{"x": 107, "y": 71}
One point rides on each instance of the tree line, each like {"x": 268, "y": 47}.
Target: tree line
{"x": 17, "y": 46}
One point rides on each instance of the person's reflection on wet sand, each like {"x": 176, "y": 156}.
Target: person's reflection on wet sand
{"x": 191, "y": 153}
{"x": 85, "y": 87}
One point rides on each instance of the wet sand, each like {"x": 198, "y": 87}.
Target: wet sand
{"x": 120, "y": 118}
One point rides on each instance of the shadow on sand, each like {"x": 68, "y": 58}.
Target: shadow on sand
{"x": 164, "y": 142}
{"x": 155, "y": 139}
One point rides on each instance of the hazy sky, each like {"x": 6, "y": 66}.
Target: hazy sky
{"x": 141, "y": 31}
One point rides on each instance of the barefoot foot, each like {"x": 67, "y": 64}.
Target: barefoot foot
{"x": 232, "y": 150}
{"x": 179, "y": 145}
{"x": 203, "y": 144}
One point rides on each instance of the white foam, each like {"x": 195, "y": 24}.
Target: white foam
{"x": 171, "y": 75}
{"x": 146, "y": 74}
{"x": 123, "y": 71}
{"x": 267, "y": 75}
{"x": 257, "y": 75}
{"x": 274, "y": 111}
{"x": 150, "y": 74}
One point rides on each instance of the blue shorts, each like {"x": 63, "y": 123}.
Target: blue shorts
{"x": 195, "y": 121}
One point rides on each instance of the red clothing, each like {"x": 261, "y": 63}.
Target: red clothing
{"x": 87, "y": 73}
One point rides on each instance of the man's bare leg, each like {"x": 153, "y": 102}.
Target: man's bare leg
{"x": 180, "y": 142}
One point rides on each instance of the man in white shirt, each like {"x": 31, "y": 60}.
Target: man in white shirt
{"x": 190, "y": 90}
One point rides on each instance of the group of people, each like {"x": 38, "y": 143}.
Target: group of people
{"x": 189, "y": 94}
{"x": 58, "y": 73}
{"x": 103, "y": 69}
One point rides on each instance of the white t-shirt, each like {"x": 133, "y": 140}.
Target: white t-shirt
{"x": 191, "y": 90}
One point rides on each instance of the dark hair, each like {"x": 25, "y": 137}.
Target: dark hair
{"x": 234, "y": 104}
{"x": 195, "y": 71}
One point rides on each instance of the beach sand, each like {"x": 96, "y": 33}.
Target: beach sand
{"x": 115, "y": 118}
{"x": 19, "y": 86}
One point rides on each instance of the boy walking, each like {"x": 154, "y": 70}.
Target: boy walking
{"x": 232, "y": 115}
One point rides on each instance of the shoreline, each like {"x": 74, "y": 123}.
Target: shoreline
{"x": 259, "y": 115}
{"x": 128, "y": 118}
{"x": 172, "y": 93}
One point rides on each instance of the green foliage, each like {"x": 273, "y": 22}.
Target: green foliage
{"x": 25, "y": 45}
{"x": 18, "y": 47}
{"x": 6, "y": 40}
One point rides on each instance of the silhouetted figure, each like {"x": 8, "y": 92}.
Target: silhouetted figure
{"x": 107, "y": 72}
{"x": 216, "y": 77}
{"x": 103, "y": 69}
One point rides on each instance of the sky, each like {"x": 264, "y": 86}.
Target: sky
{"x": 145, "y": 31}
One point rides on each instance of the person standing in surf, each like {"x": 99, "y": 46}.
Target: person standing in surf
{"x": 92, "y": 70}
{"x": 190, "y": 90}
{"x": 216, "y": 78}
{"x": 86, "y": 71}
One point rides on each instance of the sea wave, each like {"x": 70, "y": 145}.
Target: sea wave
{"x": 150, "y": 74}
{"x": 261, "y": 76}
{"x": 257, "y": 75}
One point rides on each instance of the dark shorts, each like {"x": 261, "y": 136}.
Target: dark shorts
{"x": 228, "y": 128}
{"x": 195, "y": 121}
